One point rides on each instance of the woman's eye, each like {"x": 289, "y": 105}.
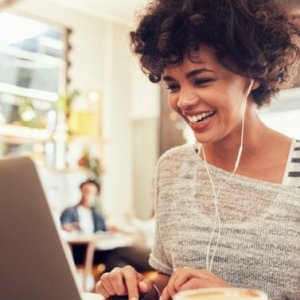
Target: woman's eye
{"x": 173, "y": 87}
{"x": 203, "y": 81}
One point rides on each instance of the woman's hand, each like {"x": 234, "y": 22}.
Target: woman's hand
{"x": 123, "y": 281}
{"x": 188, "y": 278}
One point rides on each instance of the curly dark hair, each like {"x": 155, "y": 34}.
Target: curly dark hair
{"x": 91, "y": 181}
{"x": 253, "y": 38}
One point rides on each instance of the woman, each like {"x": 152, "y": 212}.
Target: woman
{"x": 227, "y": 209}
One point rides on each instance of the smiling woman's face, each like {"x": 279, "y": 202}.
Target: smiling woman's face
{"x": 208, "y": 96}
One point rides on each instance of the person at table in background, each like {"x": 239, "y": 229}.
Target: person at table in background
{"x": 228, "y": 207}
{"x": 84, "y": 217}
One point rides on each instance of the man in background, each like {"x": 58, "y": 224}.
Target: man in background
{"x": 83, "y": 217}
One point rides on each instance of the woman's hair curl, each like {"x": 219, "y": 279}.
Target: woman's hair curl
{"x": 254, "y": 38}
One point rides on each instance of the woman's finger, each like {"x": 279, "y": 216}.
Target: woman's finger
{"x": 165, "y": 294}
{"x": 178, "y": 278}
{"x": 145, "y": 286}
{"x": 117, "y": 282}
{"x": 106, "y": 283}
{"x": 120, "y": 281}
{"x": 194, "y": 283}
{"x": 101, "y": 290}
{"x": 131, "y": 280}
{"x": 182, "y": 276}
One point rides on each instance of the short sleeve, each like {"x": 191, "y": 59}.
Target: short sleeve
{"x": 158, "y": 258}
{"x": 68, "y": 216}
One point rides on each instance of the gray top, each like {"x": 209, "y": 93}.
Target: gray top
{"x": 259, "y": 245}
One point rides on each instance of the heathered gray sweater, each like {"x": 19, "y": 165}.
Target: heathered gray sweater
{"x": 259, "y": 244}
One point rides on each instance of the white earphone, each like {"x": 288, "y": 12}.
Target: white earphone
{"x": 237, "y": 162}
{"x": 210, "y": 260}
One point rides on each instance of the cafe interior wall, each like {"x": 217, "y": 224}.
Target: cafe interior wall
{"x": 101, "y": 60}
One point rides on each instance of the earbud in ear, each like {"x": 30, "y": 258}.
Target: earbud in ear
{"x": 250, "y": 87}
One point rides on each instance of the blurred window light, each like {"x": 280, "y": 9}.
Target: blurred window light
{"x": 18, "y": 29}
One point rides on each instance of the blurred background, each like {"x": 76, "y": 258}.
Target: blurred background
{"x": 73, "y": 98}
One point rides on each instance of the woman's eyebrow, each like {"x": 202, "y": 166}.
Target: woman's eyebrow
{"x": 189, "y": 74}
{"x": 196, "y": 72}
{"x": 168, "y": 78}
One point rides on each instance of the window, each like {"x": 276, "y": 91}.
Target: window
{"x": 32, "y": 75}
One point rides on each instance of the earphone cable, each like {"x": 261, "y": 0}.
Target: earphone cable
{"x": 217, "y": 221}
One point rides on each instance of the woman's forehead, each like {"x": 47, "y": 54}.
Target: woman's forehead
{"x": 204, "y": 57}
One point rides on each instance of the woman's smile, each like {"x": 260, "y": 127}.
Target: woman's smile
{"x": 198, "y": 122}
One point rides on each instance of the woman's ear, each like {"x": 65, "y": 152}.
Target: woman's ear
{"x": 255, "y": 85}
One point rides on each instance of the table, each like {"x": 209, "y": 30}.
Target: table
{"x": 89, "y": 241}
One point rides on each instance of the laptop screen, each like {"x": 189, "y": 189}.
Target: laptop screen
{"x": 32, "y": 259}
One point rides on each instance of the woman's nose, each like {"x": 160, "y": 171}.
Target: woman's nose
{"x": 187, "y": 99}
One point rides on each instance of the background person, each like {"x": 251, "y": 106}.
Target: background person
{"x": 84, "y": 217}
{"x": 227, "y": 208}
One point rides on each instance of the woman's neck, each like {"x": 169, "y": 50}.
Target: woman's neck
{"x": 264, "y": 154}
{"x": 224, "y": 153}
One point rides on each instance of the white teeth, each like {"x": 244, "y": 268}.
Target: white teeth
{"x": 200, "y": 117}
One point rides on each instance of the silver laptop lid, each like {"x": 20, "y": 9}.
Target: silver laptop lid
{"x": 33, "y": 263}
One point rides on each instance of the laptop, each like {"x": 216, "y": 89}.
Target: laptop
{"x": 33, "y": 262}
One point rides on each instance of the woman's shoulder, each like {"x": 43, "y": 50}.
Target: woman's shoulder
{"x": 178, "y": 153}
